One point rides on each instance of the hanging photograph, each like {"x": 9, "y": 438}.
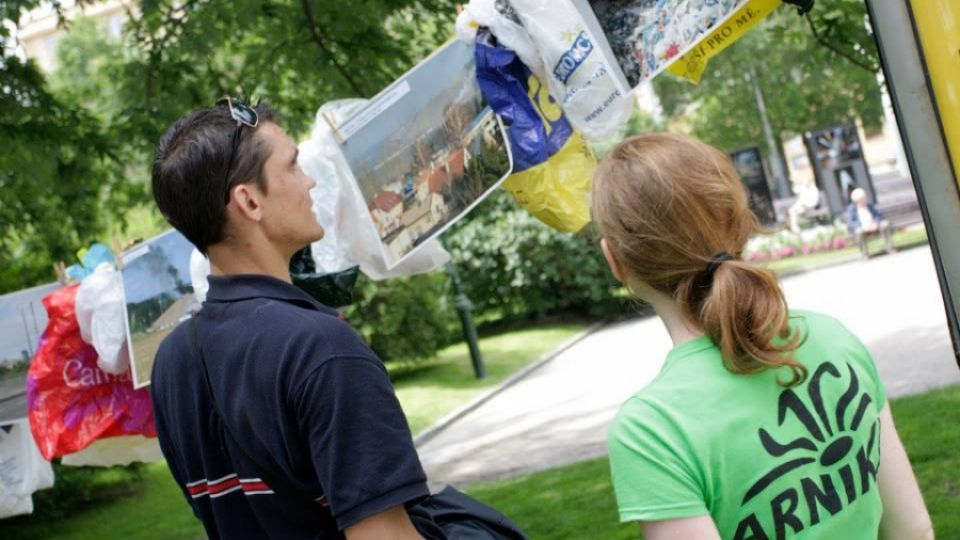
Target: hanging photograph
{"x": 156, "y": 281}
{"x": 425, "y": 151}
{"x": 646, "y": 36}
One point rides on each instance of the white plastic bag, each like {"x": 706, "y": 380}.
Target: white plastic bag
{"x": 579, "y": 77}
{"x": 496, "y": 15}
{"x": 122, "y": 450}
{"x": 101, "y": 312}
{"x": 350, "y": 238}
{"x": 11, "y": 505}
{"x": 23, "y": 470}
{"x": 199, "y": 270}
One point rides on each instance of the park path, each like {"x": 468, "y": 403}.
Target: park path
{"x": 558, "y": 414}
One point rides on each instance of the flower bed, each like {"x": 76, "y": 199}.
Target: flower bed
{"x": 786, "y": 243}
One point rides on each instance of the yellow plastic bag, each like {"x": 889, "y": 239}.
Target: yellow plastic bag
{"x": 557, "y": 191}
{"x": 551, "y": 160}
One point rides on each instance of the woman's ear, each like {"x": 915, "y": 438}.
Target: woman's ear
{"x": 615, "y": 268}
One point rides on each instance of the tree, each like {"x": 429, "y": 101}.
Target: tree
{"x": 805, "y": 85}
{"x": 76, "y": 149}
{"x": 56, "y": 162}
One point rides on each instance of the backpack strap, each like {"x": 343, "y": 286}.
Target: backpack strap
{"x": 276, "y": 483}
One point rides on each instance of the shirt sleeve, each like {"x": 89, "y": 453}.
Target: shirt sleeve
{"x": 651, "y": 479}
{"x": 360, "y": 443}
{"x": 870, "y": 366}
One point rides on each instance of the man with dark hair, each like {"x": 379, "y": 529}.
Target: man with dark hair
{"x": 277, "y": 421}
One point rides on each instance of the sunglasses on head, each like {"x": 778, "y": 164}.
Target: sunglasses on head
{"x": 245, "y": 115}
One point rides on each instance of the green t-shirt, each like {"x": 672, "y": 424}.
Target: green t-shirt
{"x": 763, "y": 461}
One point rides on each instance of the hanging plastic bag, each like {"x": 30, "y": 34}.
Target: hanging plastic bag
{"x": 552, "y": 162}
{"x": 90, "y": 258}
{"x": 332, "y": 290}
{"x": 350, "y": 238}
{"x": 101, "y": 316}
{"x": 500, "y": 19}
{"x": 691, "y": 65}
{"x": 199, "y": 270}
{"x": 23, "y": 470}
{"x": 577, "y": 74}
{"x": 71, "y": 402}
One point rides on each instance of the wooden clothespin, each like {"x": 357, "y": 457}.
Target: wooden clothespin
{"x": 60, "y": 270}
{"x": 333, "y": 126}
{"x": 118, "y": 253}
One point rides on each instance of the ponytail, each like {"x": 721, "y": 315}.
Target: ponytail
{"x": 665, "y": 203}
{"x": 743, "y": 310}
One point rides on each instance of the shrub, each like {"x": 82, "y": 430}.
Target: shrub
{"x": 403, "y": 319}
{"x": 78, "y": 488}
{"x": 512, "y": 266}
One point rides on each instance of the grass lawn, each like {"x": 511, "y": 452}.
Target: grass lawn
{"x": 577, "y": 501}
{"x": 901, "y": 239}
{"x": 156, "y": 511}
{"x": 430, "y": 390}
{"x": 574, "y": 502}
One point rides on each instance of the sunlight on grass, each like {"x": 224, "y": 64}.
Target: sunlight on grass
{"x": 432, "y": 389}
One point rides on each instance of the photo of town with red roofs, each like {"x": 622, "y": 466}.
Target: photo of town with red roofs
{"x": 430, "y": 154}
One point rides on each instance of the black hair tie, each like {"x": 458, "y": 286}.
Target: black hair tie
{"x": 715, "y": 262}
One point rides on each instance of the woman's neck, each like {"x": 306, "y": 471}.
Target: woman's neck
{"x": 678, "y": 326}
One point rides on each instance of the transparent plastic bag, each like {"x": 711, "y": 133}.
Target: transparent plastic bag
{"x": 350, "y": 238}
{"x": 199, "y": 270}
{"x": 499, "y": 18}
{"x": 101, "y": 313}
{"x": 24, "y": 471}
{"x": 578, "y": 75}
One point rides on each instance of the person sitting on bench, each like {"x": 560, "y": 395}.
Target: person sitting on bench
{"x": 864, "y": 220}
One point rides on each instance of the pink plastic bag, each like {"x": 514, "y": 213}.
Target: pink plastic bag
{"x": 71, "y": 402}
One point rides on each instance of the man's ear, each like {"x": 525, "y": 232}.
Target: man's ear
{"x": 246, "y": 199}
{"x": 615, "y": 267}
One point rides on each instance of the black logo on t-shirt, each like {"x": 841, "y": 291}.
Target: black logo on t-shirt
{"x": 834, "y": 431}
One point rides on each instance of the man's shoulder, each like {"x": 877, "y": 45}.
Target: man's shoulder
{"x": 299, "y": 333}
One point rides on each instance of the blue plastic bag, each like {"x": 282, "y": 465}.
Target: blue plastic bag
{"x": 536, "y": 123}
{"x": 552, "y": 162}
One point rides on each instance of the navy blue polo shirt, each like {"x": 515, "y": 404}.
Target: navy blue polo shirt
{"x": 307, "y": 399}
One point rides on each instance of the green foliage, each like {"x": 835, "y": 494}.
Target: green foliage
{"x": 839, "y": 26}
{"x": 403, "y": 319}
{"x": 514, "y": 266}
{"x": 76, "y": 488}
{"x": 55, "y": 164}
{"x": 805, "y": 84}
{"x": 76, "y": 148}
